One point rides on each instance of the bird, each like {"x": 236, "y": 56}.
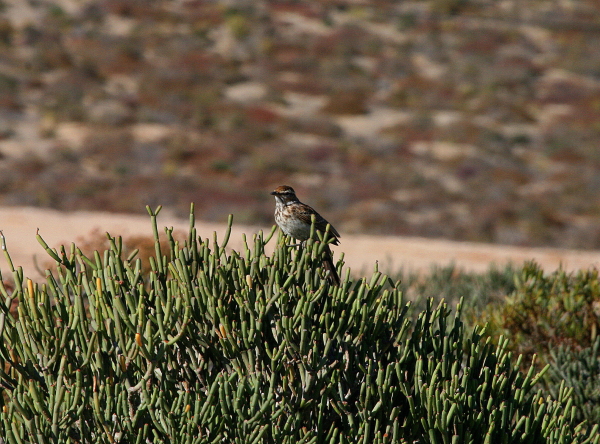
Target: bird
{"x": 294, "y": 219}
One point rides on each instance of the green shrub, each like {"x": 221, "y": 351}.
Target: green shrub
{"x": 579, "y": 369}
{"x": 555, "y": 316}
{"x": 452, "y": 284}
{"x": 547, "y": 311}
{"x": 224, "y": 346}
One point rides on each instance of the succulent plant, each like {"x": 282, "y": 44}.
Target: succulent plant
{"x": 217, "y": 345}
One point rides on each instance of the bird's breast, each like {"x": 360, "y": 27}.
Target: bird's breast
{"x": 292, "y": 226}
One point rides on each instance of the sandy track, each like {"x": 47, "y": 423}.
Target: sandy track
{"x": 19, "y": 226}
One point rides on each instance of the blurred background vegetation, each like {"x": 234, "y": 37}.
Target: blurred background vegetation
{"x": 466, "y": 119}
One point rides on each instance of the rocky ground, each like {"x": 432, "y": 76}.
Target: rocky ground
{"x": 473, "y": 120}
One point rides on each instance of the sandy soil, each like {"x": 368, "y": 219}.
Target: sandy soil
{"x": 19, "y": 226}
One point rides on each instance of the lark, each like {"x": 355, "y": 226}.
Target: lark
{"x": 294, "y": 219}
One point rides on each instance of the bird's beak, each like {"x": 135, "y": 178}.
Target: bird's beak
{"x": 273, "y": 193}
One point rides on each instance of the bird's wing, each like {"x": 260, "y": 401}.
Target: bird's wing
{"x": 320, "y": 222}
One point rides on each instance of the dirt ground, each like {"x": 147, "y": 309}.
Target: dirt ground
{"x": 19, "y": 226}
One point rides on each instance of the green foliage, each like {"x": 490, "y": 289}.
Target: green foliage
{"x": 213, "y": 345}
{"x": 579, "y": 369}
{"x": 546, "y": 311}
{"x": 555, "y": 316}
{"x": 239, "y": 25}
{"x": 450, "y": 283}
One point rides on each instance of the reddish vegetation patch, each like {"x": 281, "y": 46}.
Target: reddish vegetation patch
{"x": 260, "y": 115}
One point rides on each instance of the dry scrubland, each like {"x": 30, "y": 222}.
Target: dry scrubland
{"x": 470, "y": 120}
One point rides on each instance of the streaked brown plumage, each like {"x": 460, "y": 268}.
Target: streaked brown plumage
{"x": 294, "y": 219}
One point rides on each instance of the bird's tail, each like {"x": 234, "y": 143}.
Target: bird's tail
{"x": 333, "y": 277}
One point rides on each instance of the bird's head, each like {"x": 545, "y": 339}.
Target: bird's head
{"x": 284, "y": 194}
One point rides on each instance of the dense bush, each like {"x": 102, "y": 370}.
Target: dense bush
{"x": 579, "y": 369}
{"x": 224, "y": 346}
{"x": 452, "y": 284}
{"x": 546, "y": 311}
{"x": 553, "y": 315}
